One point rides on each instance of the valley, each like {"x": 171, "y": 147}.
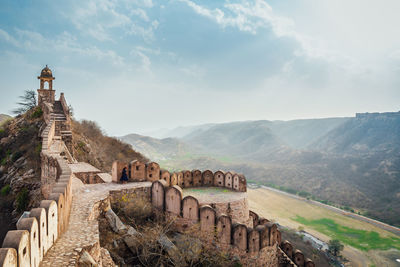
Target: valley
{"x": 365, "y": 244}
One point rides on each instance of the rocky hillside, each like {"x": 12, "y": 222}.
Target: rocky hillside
{"x": 92, "y": 146}
{"x": 20, "y": 147}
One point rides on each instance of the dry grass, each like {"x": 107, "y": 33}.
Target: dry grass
{"x": 151, "y": 247}
{"x": 91, "y": 145}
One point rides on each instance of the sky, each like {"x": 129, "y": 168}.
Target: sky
{"x": 136, "y": 66}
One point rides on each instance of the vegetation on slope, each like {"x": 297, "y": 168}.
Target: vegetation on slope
{"x": 20, "y": 147}
{"x": 92, "y": 146}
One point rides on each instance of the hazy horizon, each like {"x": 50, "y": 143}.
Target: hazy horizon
{"x": 142, "y": 65}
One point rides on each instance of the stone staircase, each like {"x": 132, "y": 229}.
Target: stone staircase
{"x": 58, "y": 112}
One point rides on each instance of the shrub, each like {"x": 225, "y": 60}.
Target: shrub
{"x": 4, "y": 161}
{"x": 37, "y": 113}
{"x": 38, "y": 148}
{"x": 5, "y": 190}
{"x": 22, "y": 200}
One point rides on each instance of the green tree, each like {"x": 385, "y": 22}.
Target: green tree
{"x": 28, "y": 101}
{"x": 334, "y": 247}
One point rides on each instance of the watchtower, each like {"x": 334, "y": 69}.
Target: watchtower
{"x": 46, "y": 95}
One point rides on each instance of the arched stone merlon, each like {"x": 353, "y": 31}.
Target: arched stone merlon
{"x": 31, "y": 225}
{"x": 262, "y": 221}
{"x": 309, "y": 263}
{"x": 264, "y": 235}
{"x": 116, "y": 170}
{"x": 228, "y": 180}
{"x": 174, "y": 179}
{"x": 180, "y": 179}
{"x": 273, "y": 233}
{"x": 219, "y": 179}
{"x": 254, "y": 217}
{"x": 40, "y": 215}
{"x": 158, "y": 194}
{"x": 236, "y": 179}
{"x": 287, "y": 247}
{"x": 166, "y": 176}
{"x": 59, "y": 199}
{"x": 138, "y": 171}
{"x": 173, "y": 200}
{"x": 242, "y": 183}
{"x": 152, "y": 171}
{"x": 8, "y": 257}
{"x": 52, "y": 222}
{"x": 208, "y": 178}
{"x": 190, "y": 208}
{"x": 278, "y": 237}
{"x": 207, "y": 220}
{"x": 19, "y": 240}
{"x": 298, "y": 258}
{"x": 63, "y": 189}
{"x": 253, "y": 240}
{"x": 240, "y": 236}
{"x": 197, "y": 181}
{"x": 224, "y": 229}
{"x": 187, "y": 179}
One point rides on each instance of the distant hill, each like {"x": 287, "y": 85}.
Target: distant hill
{"x": 3, "y": 118}
{"x": 352, "y": 162}
{"x": 363, "y": 134}
{"x": 157, "y": 149}
{"x": 238, "y": 139}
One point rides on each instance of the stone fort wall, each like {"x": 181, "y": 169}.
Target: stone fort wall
{"x": 138, "y": 172}
{"x": 39, "y": 228}
{"x": 248, "y": 233}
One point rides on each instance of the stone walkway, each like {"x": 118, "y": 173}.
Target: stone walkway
{"x": 83, "y": 227}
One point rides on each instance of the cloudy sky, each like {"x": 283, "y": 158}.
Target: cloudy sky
{"x": 140, "y": 65}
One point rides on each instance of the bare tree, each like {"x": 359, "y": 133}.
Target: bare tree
{"x": 28, "y": 101}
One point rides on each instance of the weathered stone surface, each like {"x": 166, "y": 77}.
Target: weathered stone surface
{"x": 86, "y": 260}
{"x": 115, "y": 222}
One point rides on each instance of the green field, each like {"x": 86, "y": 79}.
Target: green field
{"x": 361, "y": 239}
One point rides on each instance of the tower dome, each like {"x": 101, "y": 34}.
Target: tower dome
{"x": 46, "y": 73}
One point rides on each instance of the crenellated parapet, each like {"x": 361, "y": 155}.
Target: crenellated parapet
{"x": 138, "y": 172}
{"x": 187, "y": 212}
{"x": 294, "y": 257}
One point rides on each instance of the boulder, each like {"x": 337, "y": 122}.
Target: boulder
{"x": 86, "y": 260}
{"x": 115, "y": 222}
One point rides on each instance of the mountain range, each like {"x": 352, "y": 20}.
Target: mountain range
{"x": 352, "y": 162}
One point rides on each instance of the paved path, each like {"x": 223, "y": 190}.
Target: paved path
{"x": 83, "y": 227}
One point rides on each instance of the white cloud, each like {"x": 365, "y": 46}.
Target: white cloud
{"x": 140, "y": 13}
{"x": 9, "y": 39}
{"x": 100, "y": 18}
{"x": 62, "y": 43}
{"x": 194, "y": 71}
